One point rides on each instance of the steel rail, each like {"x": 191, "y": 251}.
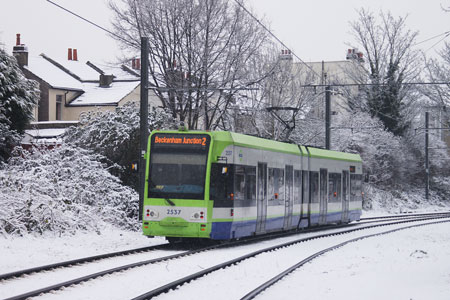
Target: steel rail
{"x": 285, "y": 273}
{"x": 405, "y": 215}
{"x": 83, "y": 260}
{"x": 190, "y": 252}
{"x": 173, "y": 285}
{"x": 79, "y": 261}
{"x": 141, "y": 263}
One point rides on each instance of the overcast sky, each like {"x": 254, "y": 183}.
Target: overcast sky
{"x": 314, "y": 30}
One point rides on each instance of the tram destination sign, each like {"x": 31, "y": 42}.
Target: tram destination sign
{"x": 174, "y": 140}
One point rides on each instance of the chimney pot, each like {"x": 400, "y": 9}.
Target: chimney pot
{"x": 20, "y": 52}
{"x": 138, "y": 63}
{"x": 75, "y": 54}
{"x": 69, "y": 54}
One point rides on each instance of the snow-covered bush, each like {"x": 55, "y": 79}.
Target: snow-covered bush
{"x": 62, "y": 190}
{"x": 386, "y": 160}
{"x": 115, "y": 134}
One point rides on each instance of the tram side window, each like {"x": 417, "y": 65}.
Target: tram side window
{"x": 305, "y": 186}
{"x": 297, "y": 187}
{"x": 239, "y": 183}
{"x": 334, "y": 189}
{"x": 271, "y": 187}
{"x": 250, "y": 178}
{"x": 244, "y": 185}
{"x": 276, "y": 186}
{"x": 314, "y": 184}
{"x": 355, "y": 187}
{"x": 221, "y": 184}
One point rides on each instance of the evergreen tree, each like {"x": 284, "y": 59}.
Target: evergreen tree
{"x": 18, "y": 96}
{"x": 389, "y": 62}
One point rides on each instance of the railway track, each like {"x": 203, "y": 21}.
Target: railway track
{"x": 298, "y": 265}
{"x": 174, "y": 284}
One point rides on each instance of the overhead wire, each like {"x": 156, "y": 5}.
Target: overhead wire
{"x": 431, "y": 38}
{"x": 86, "y": 20}
{"x": 446, "y": 34}
{"x": 273, "y": 35}
{"x": 434, "y": 45}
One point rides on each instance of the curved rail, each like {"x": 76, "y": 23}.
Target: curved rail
{"x": 186, "y": 253}
{"x": 285, "y": 273}
{"x": 406, "y": 215}
{"x": 173, "y": 285}
{"x": 79, "y": 261}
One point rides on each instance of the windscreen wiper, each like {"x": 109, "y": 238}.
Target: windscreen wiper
{"x": 170, "y": 202}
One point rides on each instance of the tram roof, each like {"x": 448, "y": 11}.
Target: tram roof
{"x": 227, "y": 137}
{"x": 260, "y": 143}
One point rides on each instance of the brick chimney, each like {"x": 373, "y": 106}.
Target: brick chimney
{"x": 20, "y": 52}
{"x": 106, "y": 80}
{"x": 136, "y": 63}
{"x": 69, "y": 54}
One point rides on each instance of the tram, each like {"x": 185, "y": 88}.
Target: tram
{"x": 223, "y": 185}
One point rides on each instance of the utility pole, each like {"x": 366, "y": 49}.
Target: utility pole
{"x": 143, "y": 121}
{"x": 427, "y": 171}
{"x": 327, "y": 117}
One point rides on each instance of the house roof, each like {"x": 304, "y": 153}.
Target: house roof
{"x": 51, "y": 74}
{"x": 84, "y": 77}
{"x": 95, "y": 95}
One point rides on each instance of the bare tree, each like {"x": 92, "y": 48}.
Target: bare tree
{"x": 281, "y": 102}
{"x": 200, "y": 53}
{"x": 439, "y": 71}
{"x": 390, "y": 61}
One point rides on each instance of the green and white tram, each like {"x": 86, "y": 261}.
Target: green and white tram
{"x": 225, "y": 185}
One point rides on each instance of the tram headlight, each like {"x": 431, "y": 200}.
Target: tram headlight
{"x": 198, "y": 215}
{"x": 151, "y": 214}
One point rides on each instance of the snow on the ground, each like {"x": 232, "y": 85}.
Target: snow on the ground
{"x": 18, "y": 253}
{"x": 410, "y": 264}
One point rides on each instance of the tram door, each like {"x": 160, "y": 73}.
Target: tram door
{"x": 345, "y": 196}
{"x": 323, "y": 196}
{"x": 289, "y": 197}
{"x": 261, "y": 205}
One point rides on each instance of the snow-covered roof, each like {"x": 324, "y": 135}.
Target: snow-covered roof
{"x": 49, "y": 136}
{"x": 118, "y": 72}
{"x": 80, "y": 69}
{"x": 84, "y": 77}
{"x": 96, "y": 95}
{"x": 51, "y": 74}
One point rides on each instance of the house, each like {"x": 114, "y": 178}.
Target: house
{"x": 70, "y": 87}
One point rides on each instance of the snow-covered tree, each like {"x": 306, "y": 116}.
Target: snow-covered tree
{"x": 115, "y": 135}
{"x": 62, "y": 190}
{"x": 18, "y": 96}
{"x": 382, "y": 152}
{"x": 390, "y": 60}
{"x": 438, "y": 70}
{"x": 197, "y": 49}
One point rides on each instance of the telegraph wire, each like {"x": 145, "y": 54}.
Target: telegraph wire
{"x": 88, "y": 21}
{"x": 446, "y": 36}
{"x": 273, "y": 35}
{"x": 431, "y": 38}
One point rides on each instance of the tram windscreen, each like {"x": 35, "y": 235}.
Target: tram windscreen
{"x": 177, "y": 171}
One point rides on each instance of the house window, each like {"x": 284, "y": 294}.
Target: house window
{"x": 59, "y": 107}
